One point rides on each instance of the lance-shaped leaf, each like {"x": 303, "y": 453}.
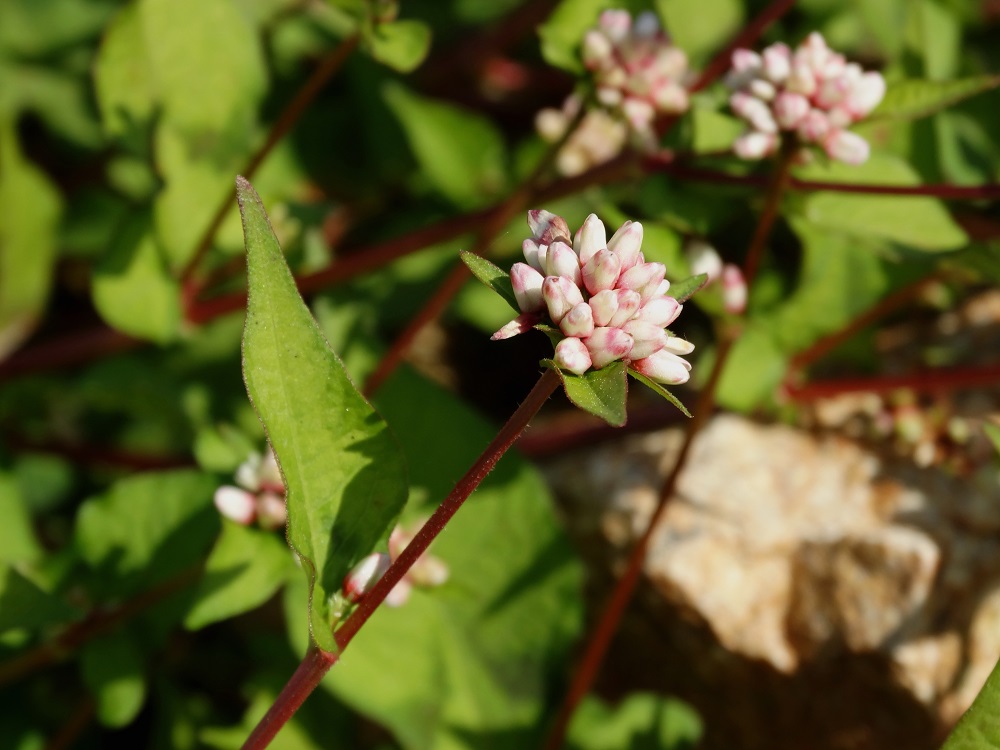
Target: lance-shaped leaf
{"x": 978, "y": 729}
{"x": 914, "y": 98}
{"x": 682, "y": 291}
{"x": 492, "y": 275}
{"x": 659, "y": 390}
{"x": 343, "y": 470}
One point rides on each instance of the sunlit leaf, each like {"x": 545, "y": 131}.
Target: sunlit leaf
{"x": 493, "y": 276}
{"x": 642, "y": 721}
{"x": 601, "y": 392}
{"x": 112, "y": 669}
{"x": 24, "y": 605}
{"x": 344, "y": 472}
{"x": 660, "y": 391}
{"x": 562, "y": 32}
{"x": 978, "y": 729}
{"x": 911, "y": 99}
{"x": 402, "y": 45}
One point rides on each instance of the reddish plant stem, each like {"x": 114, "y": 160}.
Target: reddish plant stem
{"x": 82, "y": 346}
{"x": 286, "y": 121}
{"x": 457, "y": 277}
{"x": 102, "y": 456}
{"x": 944, "y": 191}
{"x": 926, "y": 381}
{"x": 747, "y": 37}
{"x": 610, "y": 618}
{"x": 317, "y": 662}
{"x": 96, "y": 624}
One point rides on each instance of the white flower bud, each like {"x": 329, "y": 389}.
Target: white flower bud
{"x": 235, "y": 504}
{"x": 572, "y": 354}
{"x": 607, "y": 345}
{"x": 527, "y": 283}
{"x": 578, "y": 322}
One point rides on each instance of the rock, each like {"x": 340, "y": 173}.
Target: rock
{"x": 801, "y": 590}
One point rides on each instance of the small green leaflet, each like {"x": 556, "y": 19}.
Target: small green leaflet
{"x": 492, "y": 275}
{"x": 912, "y": 99}
{"x": 601, "y": 392}
{"x": 682, "y": 291}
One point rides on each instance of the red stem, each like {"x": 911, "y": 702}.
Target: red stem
{"x": 927, "y": 381}
{"x": 317, "y": 662}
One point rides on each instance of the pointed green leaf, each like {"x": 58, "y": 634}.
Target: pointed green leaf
{"x": 683, "y": 290}
{"x": 979, "y": 729}
{"x": 912, "y": 99}
{"x": 491, "y": 275}
{"x": 600, "y": 392}
{"x": 344, "y": 471}
{"x": 25, "y": 605}
{"x": 401, "y": 45}
{"x": 659, "y": 389}
{"x": 17, "y": 537}
{"x": 701, "y": 27}
{"x": 563, "y": 31}
{"x": 113, "y": 671}
{"x": 642, "y": 720}
{"x": 244, "y": 570}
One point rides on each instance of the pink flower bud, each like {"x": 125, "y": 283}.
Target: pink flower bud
{"x": 531, "y": 250}
{"x": 626, "y": 244}
{"x": 546, "y": 227}
{"x": 745, "y": 60}
{"x": 270, "y": 473}
{"x": 670, "y": 97}
{"x": 734, "y": 289}
{"x": 364, "y": 576}
{"x": 865, "y": 95}
{"x": 607, "y": 345}
{"x": 429, "y": 571}
{"x": 561, "y": 295}
{"x": 644, "y": 278}
{"x": 562, "y": 261}
{"x": 604, "y": 305}
{"x": 522, "y": 323}
{"x": 814, "y": 126}
{"x": 846, "y": 147}
{"x": 831, "y": 92}
{"x": 629, "y": 303}
{"x": 755, "y": 145}
{"x": 248, "y": 473}
{"x": 762, "y": 89}
{"x": 527, "y": 283}
{"x": 703, "y": 258}
{"x": 616, "y": 24}
{"x": 660, "y": 311}
{"x": 601, "y": 271}
{"x": 235, "y": 504}
{"x": 551, "y": 124}
{"x": 754, "y": 111}
{"x": 777, "y": 62}
{"x": 646, "y": 338}
{"x": 578, "y": 322}
{"x": 597, "y": 49}
{"x": 789, "y": 109}
{"x": 591, "y": 238}
{"x": 802, "y": 80}
{"x": 573, "y": 355}
{"x": 677, "y": 345}
{"x": 664, "y": 367}
{"x": 399, "y": 595}
{"x": 272, "y": 511}
{"x": 639, "y": 113}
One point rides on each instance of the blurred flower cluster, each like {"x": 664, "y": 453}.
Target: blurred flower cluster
{"x": 813, "y": 93}
{"x": 637, "y": 75}
{"x": 259, "y": 496}
{"x": 608, "y": 303}
{"x": 427, "y": 572}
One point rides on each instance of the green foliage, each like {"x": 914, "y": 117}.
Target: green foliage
{"x": 24, "y": 605}
{"x": 563, "y": 30}
{"x": 112, "y": 668}
{"x": 491, "y": 275}
{"x": 402, "y": 45}
{"x": 911, "y": 99}
{"x": 701, "y": 27}
{"x": 344, "y": 474}
{"x": 601, "y": 392}
{"x": 978, "y": 728}
{"x": 642, "y": 722}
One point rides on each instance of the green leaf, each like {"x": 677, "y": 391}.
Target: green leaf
{"x": 28, "y": 223}
{"x": 222, "y": 448}
{"x": 600, "y": 392}
{"x": 919, "y": 222}
{"x": 17, "y": 538}
{"x": 562, "y": 33}
{"x": 147, "y": 528}
{"x": 642, "y": 721}
{"x": 471, "y": 663}
{"x": 206, "y": 62}
{"x": 701, "y": 27}
{"x": 492, "y": 275}
{"x": 244, "y": 570}
{"x": 683, "y": 290}
{"x": 25, "y": 605}
{"x": 993, "y": 433}
{"x": 460, "y": 152}
{"x": 132, "y": 287}
{"x": 123, "y": 79}
{"x": 344, "y": 471}
{"x": 660, "y": 390}
{"x": 978, "y": 729}
{"x": 112, "y": 669}
{"x": 912, "y": 99}
{"x": 714, "y": 131}
{"x": 401, "y": 45}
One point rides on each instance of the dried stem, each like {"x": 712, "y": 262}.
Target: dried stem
{"x": 318, "y": 662}
{"x": 600, "y": 637}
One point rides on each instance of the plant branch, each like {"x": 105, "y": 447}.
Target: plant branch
{"x": 317, "y": 662}
{"x": 607, "y": 625}
{"x": 925, "y": 381}
{"x": 328, "y": 66}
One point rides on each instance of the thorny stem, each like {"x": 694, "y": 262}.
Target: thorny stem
{"x": 318, "y": 662}
{"x": 453, "y": 282}
{"x": 291, "y": 114}
{"x": 607, "y": 625}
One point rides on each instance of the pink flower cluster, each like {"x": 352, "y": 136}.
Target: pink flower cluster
{"x": 812, "y": 92}
{"x": 260, "y": 496}
{"x": 606, "y": 300}
{"x": 638, "y": 74}
{"x": 427, "y": 572}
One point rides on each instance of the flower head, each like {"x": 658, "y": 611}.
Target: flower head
{"x": 601, "y": 295}
{"x": 637, "y": 74}
{"x": 812, "y": 93}
{"x": 259, "y": 496}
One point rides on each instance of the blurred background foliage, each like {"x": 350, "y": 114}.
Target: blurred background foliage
{"x": 130, "y": 614}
